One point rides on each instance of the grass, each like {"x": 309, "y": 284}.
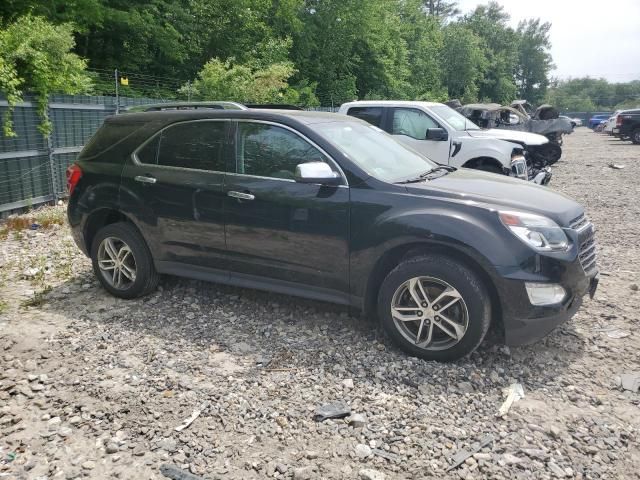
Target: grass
{"x": 3, "y": 306}
{"x": 46, "y": 217}
{"x": 38, "y": 298}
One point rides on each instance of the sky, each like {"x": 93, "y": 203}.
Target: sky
{"x": 588, "y": 37}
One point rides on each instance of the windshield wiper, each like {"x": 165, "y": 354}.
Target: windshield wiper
{"x": 426, "y": 175}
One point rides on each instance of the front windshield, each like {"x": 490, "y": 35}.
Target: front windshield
{"x": 457, "y": 121}
{"x": 374, "y": 151}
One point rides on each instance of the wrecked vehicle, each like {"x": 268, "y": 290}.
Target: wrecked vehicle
{"x": 446, "y": 137}
{"x": 495, "y": 117}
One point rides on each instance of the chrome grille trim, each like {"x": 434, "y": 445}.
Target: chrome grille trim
{"x": 587, "y": 251}
{"x": 579, "y": 223}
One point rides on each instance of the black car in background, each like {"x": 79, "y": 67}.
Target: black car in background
{"x": 328, "y": 207}
{"x": 628, "y": 125}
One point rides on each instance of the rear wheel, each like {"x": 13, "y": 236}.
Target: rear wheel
{"x": 435, "y": 308}
{"x": 635, "y": 136}
{"x": 122, "y": 261}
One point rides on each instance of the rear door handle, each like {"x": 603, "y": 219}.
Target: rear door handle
{"x": 144, "y": 179}
{"x": 240, "y": 195}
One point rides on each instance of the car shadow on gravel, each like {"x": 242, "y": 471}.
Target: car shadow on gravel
{"x": 281, "y": 333}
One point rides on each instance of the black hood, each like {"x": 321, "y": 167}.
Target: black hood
{"x": 501, "y": 192}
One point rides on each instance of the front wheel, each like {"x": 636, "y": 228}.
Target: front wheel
{"x": 434, "y": 307}
{"x": 635, "y": 136}
{"x": 122, "y": 261}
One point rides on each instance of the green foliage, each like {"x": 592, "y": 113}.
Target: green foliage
{"x": 223, "y": 80}
{"x": 534, "y": 60}
{"x": 594, "y": 94}
{"x": 462, "y": 75}
{"x": 298, "y": 51}
{"x": 36, "y": 56}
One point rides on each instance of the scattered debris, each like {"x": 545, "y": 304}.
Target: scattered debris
{"x": 616, "y": 333}
{"x": 462, "y": 455}
{"x": 616, "y": 166}
{"x": 332, "y": 410}
{"x": 631, "y": 381}
{"x": 514, "y": 393}
{"x": 384, "y": 454}
{"x": 188, "y": 421}
{"x": 175, "y": 473}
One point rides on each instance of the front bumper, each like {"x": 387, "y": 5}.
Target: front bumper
{"x": 524, "y": 323}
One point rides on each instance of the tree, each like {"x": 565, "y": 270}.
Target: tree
{"x": 463, "y": 62}
{"x": 423, "y": 36}
{"x": 224, "y": 80}
{"x": 441, "y": 8}
{"x": 500, "y": 47}
{"x": 36, "y": 56}
{"x": 534, "y": 60}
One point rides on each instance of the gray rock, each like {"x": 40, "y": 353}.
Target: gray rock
{"x": 89, "y": 465}
{"x": 465, "y": 387}
{"x": 111, "y": 448}
{"x": 362, "y": 450}
{"x": 357, "y": 420}
{"x": 370, "y": 474}
{"x": 303, "y": 473}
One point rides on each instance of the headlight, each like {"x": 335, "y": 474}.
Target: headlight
{"x": 537, "y": 231}
{"x": 519, "y": 166}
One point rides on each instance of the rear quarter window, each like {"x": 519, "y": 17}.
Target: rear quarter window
{"x": 108, "y": 136}
{"x": 373, "y": 115}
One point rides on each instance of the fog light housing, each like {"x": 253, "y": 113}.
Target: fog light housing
{"x": 545, "y": 293}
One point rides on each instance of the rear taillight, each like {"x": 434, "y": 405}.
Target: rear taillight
{"x": 74, "y": 174}
{"x": 618, "y": 120}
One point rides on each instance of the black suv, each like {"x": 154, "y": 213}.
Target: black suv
{"x": 329, "y": 207}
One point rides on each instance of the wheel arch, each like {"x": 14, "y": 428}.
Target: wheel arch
{"x": 392, "y": 257}
{"x": 478, "y": 162}
{"x": 101, "y": 218}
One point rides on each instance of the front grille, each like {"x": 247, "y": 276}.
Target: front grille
{"x": 578, "y": 222}
{"x": 586, "y": 237}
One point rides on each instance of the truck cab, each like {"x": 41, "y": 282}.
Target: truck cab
{"x": 446, "y": 137}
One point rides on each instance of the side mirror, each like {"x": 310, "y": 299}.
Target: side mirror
{"x": 316, "y": 172}
{"x": 437, "y": 134}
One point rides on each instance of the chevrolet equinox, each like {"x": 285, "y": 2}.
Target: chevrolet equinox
{"x": 328, "y": 207}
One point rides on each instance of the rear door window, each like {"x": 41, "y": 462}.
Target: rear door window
{"x": 198, "y": 145}
{"x": 373, "y": 115}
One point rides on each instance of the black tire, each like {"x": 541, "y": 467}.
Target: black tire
{"x": 146, "y": 276}
{"x": 635, "y": 136}
{"x": 487, "y": 167}
{"x": 457, "y": 275}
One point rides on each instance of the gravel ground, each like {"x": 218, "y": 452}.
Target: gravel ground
{"x": 92, "y": 386}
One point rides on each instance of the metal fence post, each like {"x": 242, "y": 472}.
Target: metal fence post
{"x": 115, "y": 74}
{"x": 55, "y": 188}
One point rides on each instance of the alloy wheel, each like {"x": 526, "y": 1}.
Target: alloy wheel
{"x": 117, "y": 263}
{"x": 430, "y": 313}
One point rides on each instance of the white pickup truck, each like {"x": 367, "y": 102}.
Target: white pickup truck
{"x": 445, "y": 136}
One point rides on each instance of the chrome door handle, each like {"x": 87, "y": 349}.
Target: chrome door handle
{"x": 144, "y": 179}
{"x": 241, "y": 195}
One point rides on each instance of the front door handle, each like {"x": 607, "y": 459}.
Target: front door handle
{"x": 144, "y": 179}
{"x": 241, "y": 195}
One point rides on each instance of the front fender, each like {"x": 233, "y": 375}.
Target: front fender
{"x": 481, "y": 147}
{"x": 470, "y": 229}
